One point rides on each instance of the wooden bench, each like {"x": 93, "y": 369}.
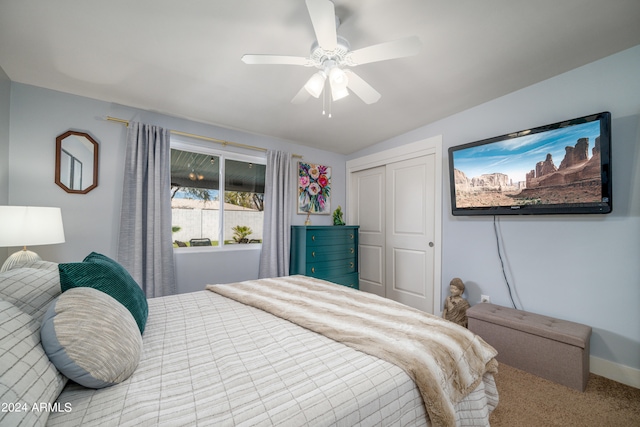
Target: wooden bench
{"x": 557, "y": 350}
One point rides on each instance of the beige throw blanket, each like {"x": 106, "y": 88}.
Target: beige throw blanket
{"x": 445, "y": 360}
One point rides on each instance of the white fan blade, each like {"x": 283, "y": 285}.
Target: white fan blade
{"x": 361, "y": 88}
{"x": 323, "y": 19}
{"x": 301, "y": 97}
{"x": 390, "y": 50}
{"x": 275, "y": 60}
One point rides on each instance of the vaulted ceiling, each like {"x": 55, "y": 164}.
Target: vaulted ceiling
{"x": 182, "y": 58}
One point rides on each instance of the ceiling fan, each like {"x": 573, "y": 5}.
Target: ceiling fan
{"x": 332, "y": 54}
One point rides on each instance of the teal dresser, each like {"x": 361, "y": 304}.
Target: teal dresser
{"x": 326, "y": 252}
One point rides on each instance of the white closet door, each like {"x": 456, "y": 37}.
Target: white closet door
{"x": 395, "y": 197}
{"x": 410, "y": 232}
{"x": 367, "y": 194}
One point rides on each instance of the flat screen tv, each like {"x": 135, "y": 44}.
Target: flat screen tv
{"x": 561, "y": 168}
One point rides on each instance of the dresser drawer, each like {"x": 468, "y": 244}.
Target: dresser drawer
{"x": 339, "y": 236}
{"x": 325, "y": 269}
{"x": 350, "y": 280}
{"x": 330, "y": 253}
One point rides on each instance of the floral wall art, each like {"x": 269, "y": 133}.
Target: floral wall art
{"x": 314, "y": 188}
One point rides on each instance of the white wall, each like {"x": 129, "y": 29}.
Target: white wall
{"x": 91, "y": 221}
{"x": 38, "y": 116}
{"x": 580, "y": 268}
{"x": 5, "y": 96}
{"x": 204, "y": 223}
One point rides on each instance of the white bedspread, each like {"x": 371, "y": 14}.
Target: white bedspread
{"x": 445, "y": 360}
{"x": 209, "y": 360}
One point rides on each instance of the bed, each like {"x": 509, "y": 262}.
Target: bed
{"x": 208, "y": 359}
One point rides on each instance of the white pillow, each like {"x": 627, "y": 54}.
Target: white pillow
{"x": 27, "y": 377}
{"x": 91, "y": 338}
{"x": 31, "y": 289}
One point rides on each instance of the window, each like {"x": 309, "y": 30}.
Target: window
{"x": 216, "y": 198}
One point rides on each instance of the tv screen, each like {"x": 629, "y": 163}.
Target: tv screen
{"x": 561, "y": 168}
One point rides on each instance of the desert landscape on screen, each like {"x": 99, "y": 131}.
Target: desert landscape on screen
{"x": 577, "y": 179}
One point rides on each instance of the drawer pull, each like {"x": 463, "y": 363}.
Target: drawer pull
{"x": 351, "y": 265}
{"x": 351, "y": 250}
{"x": 313, "y": 237}
{"x": 351, "y": 236}
{"x": 313, "y": 269}
{"x": 313, "y": 254}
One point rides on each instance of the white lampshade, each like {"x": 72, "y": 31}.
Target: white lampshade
{"x": 29, "y": 226}
{"x": 338, "y": 80}
{"x": 338, "y": 76}
{"x": 315, "y": 84}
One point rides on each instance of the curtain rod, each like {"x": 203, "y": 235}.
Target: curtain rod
{"x": 205, "y": 138}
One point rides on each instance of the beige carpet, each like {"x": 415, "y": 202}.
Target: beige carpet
{"x": 528, "y": 400}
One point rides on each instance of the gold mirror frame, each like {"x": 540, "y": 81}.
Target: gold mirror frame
{"x": 72, "y": 161}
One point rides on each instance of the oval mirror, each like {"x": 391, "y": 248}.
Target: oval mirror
{"x": 76, "y": 162}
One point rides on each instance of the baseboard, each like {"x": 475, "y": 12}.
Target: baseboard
{"x": 615, "y": 371}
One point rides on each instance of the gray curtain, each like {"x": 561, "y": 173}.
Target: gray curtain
{"x": 145, "y": 247}
{"x": 278, "y": 202}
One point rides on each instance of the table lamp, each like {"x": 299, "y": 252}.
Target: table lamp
{"x": 28, "y": 226}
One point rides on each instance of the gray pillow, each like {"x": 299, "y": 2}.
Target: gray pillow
{"x": 31, "y": 289}
{"x": 26, "y": 375}
{"x": 91, "y": 338}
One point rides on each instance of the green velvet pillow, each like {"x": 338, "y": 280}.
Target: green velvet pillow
{"x": 104, "y": 274}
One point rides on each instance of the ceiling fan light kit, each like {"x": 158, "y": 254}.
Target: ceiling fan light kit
{"x": 338, "y": 81}
{"x": 315, "y": 84}
{"x": 332, "y": 54}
